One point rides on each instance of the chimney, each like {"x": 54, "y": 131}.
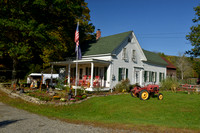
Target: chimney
{"x": 98, "y": 34}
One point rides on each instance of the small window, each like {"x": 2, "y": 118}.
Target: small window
{"x": 129, "y": 39}
{"x": 133, "y": 56}
{"x": 124, "y": 54}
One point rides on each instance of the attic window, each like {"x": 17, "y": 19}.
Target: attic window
{"x": 124, "y": 54}
{"x": 129, "y": 39}
{"x": 133, "y": 56}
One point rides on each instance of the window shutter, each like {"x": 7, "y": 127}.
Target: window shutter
{"x": 155, "y": 76}
{"x": 145, "y": 76}
{"x": 126, "y": 73}
{"x": 120, "y": 74}
{"x": 160, "y": 77}
{"x": 105, "y": 73}
{"x": 150, "y": 76}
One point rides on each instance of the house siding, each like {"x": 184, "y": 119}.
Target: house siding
{"x": 135, "y": 68}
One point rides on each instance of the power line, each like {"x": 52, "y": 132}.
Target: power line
{"x": 160, "y": 37}
{"x": 172, "y": 33}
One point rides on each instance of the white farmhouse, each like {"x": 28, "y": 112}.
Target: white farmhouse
{"x": 112, "y": 59}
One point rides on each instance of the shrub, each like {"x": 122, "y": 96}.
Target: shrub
{"x": 79, "y": 92}
{"x": 169, "y": 84}
{"x": 84, "y": 96}
{"x": 60, "y": 84}
{"x": 78, "y": 98}
{"x": 122, "y": 86}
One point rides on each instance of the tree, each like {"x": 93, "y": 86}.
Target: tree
{"x": 194, "y": 35}
{"x": 45, "y": 29}
{"x": 184, "y": 66}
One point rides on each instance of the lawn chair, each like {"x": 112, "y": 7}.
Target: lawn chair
{"x": 96, "y": 81}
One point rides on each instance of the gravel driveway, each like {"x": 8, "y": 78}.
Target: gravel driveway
{"x": 14, "y": 120}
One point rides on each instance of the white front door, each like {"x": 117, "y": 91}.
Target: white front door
{"x": 137, "y": 76}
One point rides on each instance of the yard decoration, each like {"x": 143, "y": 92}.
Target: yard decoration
{"x": 145, "y": 92}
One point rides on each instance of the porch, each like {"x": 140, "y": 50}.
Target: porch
{"x": 91, "y": 73}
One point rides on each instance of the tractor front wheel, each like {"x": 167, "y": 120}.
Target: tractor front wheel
{"x": 132, "y": 94}
{"x": 160, "y": 96}
{"x": 144, "y": 95}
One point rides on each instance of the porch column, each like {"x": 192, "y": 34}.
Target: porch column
{"x": 141, "y": 77}
{"x": 69, "y": 65}
{"x": 92, "y": 71}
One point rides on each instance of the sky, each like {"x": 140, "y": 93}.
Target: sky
{"x": 159, "y": 25}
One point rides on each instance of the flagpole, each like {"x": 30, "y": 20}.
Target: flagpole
{"x": 76, "y": 72}
{"x": 76, "y": 84}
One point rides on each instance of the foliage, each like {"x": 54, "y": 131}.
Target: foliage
{"x": 194, "y": 65}
{"x": 169, "y": 83}
{"x": 191, "y": 81}
{"x": 41, "y": 95}
{"x": 42, "y": 30}
{"x": 78, "y": 98}
{"x": 184, "y": 66}
{"x": 60, "y": 84}
{"x": 84, "y": 96}
{"x": 79, "y": 92}
{"x": 194, "y": 35}
{"x": 122, "y": 86}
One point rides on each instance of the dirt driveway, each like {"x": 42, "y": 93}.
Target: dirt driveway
{"x": 14, "y": 120}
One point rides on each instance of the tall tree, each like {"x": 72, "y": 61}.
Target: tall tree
{"x": 194, "y": 35}
{"x": 184, "y": 66}
{"x": 29, "y": 28}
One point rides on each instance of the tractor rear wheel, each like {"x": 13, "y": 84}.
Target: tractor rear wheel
{"x": 160, "y": 96}
{"x": 144, "y": 95}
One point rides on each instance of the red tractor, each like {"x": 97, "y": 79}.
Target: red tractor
{"x": 145, "y": 92}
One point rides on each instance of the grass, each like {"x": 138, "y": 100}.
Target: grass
{"x": 176, "y": 112}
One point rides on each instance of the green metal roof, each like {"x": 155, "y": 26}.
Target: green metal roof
{"x": 105, "y": 45}
{"x": 154, "y": 58}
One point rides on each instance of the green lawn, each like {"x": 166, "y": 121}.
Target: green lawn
{"x": 176, "y": 110}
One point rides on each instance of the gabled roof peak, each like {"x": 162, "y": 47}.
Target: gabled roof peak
{"x": 105, "y": 45}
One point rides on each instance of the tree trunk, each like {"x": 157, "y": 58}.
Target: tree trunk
{"x": 182, "y": 74}
{"x": 14, "y": 73}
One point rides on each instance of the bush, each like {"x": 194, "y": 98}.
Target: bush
{"x": 124, "y": 85}
{"x": 84, "y": 96}
{"x": 78, "y": 98}
{"x": 169, "y": 84}
{"x": 60, "y": 84}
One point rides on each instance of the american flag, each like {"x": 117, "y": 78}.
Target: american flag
{"x": 78, "y": 49}
{"x": 77, "y": 36}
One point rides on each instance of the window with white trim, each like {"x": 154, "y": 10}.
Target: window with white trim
{"x": 133, "y": 55}
{"x": 122, "y": 74}
{"x": 124, "y": 54}
{"x": 161, "y": 76}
